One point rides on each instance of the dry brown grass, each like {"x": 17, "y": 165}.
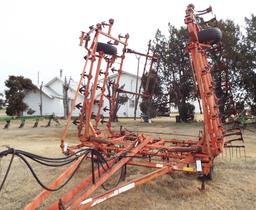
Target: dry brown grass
{"x": 233, "y": 187}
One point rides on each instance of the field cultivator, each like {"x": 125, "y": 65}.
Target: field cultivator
{"x": 111, "y": 152}
{"x": 22, "y": 119}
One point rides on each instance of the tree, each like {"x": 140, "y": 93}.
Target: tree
{"x": 151, "y": 84}
{"x": 226, "y": 60}
{"x": 120, "y": 99}
{"x": 248, "y": 70}
{"x": 17, "y": 87}
{"x": 175, "y": 68}
{"x": 1, "y": 101}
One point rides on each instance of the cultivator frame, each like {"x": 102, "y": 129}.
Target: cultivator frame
{"x": 126, "y": 148}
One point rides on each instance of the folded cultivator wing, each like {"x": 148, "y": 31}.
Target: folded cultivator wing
{"x": 111, "y": 152}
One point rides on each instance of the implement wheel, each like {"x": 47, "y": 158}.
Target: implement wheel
{"x": 210, "y": 35}
{"x": 106, "y": 48}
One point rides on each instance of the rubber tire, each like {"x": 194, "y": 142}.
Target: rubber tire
{"x": 106, "y": 48}
{"x": 210, "y": 35}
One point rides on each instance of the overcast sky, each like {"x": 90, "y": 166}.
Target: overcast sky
{"x": 42, "y": 36}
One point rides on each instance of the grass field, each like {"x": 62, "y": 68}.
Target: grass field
{"x": 232, "y": 188}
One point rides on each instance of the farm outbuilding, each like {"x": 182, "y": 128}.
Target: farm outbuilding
{"x": 128, "y": 82}
{"x": 52, "y": 97}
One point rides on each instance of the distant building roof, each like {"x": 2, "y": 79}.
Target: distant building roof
{"x": 73, "y": 84}
{"x": 51, "y": 93}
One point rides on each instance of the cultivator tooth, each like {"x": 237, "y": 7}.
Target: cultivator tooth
{"x": 85, "y": 75}
{"x": 79, "y": 106}
{"x": 36, "y": 123}
{"x": 105, "y": 109}
{"x": 114, "y": 69}
{"x": 93, "y": 116}
{"x": 102, "y": 121}
{"x": 82, "y": 89}
{"x": 49, "y": 123}
{"x": 7, "y": 125}
{"x": 76, "y": 121}
{"x": 99, "y": 87}
{"x": 121, "y": 36}
{"x": 22, "y": 123}
{"x": 101, "y": 72}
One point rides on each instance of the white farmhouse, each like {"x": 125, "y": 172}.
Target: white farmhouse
{"x": 52, "y": 97}
{"x": 128, "y": 80}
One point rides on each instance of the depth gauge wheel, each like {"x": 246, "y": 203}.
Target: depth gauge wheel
{"x": 210, "y": 35}
{"x": 106, "y": 48}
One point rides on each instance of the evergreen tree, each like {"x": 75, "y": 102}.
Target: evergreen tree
{"x": 175, "y": 70}
{"x": 248, "y": 68}
{"x": 17, "y": 86}
{"x": 225, "y": 60}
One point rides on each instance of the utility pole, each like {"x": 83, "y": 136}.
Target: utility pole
{"x": 65, "y": 97}
{"x": 41, "y": 99}
{"x": 38, "y": 75}
{"x": 137, "y": 78}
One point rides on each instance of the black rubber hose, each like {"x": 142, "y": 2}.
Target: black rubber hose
{"x": 49, "y": 159}
{"x": 8, "y": 170}
{"x": 39, "y": 181}
{"x": 52, "y": 163}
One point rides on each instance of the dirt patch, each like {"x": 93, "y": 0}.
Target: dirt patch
{"x": 232, "y": 188}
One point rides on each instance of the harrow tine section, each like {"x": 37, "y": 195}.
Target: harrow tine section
{"x": 234, "y": 141}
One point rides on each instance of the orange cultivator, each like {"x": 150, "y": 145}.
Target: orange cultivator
{"x": 111, "y": 151}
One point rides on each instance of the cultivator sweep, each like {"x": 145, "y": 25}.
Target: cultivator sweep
{"x": 111, "y": 151}
{"x": 23, "y": 119}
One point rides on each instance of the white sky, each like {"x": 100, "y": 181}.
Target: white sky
{"x": 43, "y": 35}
